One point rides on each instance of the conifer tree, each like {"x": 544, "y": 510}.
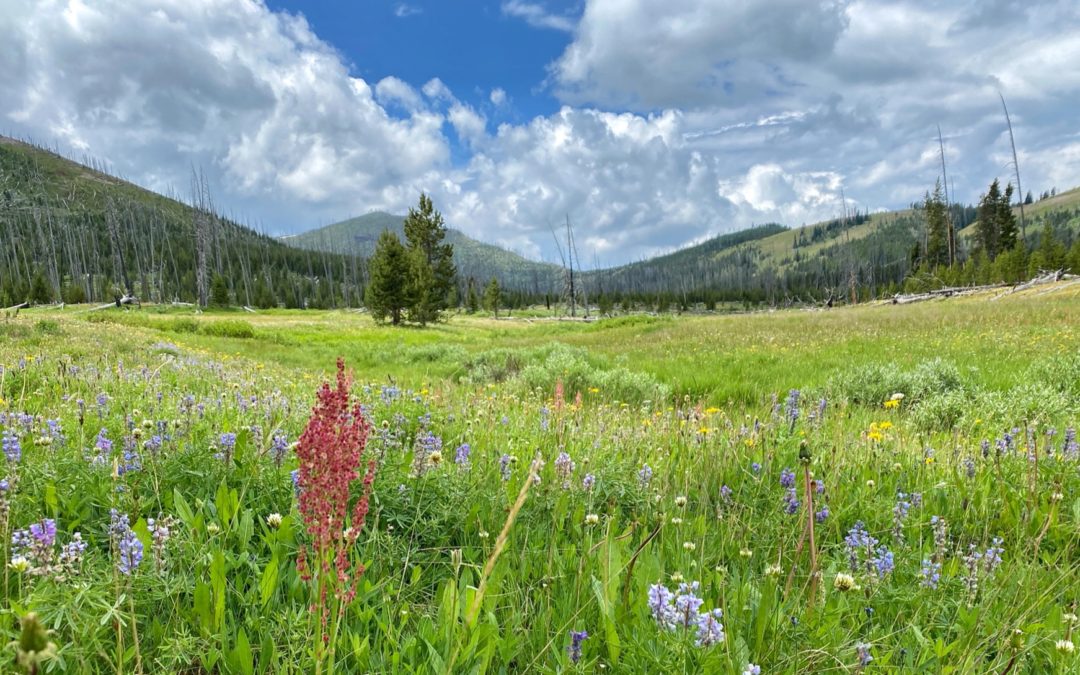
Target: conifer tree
{"x": 387, "y": 291}
{"x": 431, "y": 262}
{"x": 219, "y": 292}
{"x": 492, "y": 296}
{"x": 937, "y": 229}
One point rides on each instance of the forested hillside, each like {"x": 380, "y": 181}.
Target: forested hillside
{"x": 72, "y": 233}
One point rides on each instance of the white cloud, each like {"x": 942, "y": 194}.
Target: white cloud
{"x": 403, "y": 10}
{"x": 679, "y": 120}
{"x": 536, "y": 15}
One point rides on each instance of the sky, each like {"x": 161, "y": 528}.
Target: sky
{"x": 651, "y": 125}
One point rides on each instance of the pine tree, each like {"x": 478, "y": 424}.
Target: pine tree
{"x": 492, "y": 295}
{"x": 1006, "y": 221}
{"x": 472, "y": 300}
{"x": 986, "y": 231}
{"x": 387, "y": 291}
{"x": 937, "y": 229}
{"x": 431, "y": 262}
{"x": 40, "y": 291}
{"x": 219, "y": 292}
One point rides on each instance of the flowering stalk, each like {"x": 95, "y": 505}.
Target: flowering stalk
{"x": 329, "y": 453}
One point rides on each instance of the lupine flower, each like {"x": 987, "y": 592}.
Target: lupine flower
{"x": 755, "y": 467}
{"x": 709, "y": 629}
{"x": 930, "y": 573}
{"x": 941, "y": 538}
{"x": 662, "y": 605}
{"x": 574, "y": 650}
{"x": 900, "y": 514}
{"x": 862, "y": 652}
{"x": 787, "y": 478}
{"x": 564, "y": 467}
{"x": 687, "y": 603}
{"x": 752, "y": 669}
{"x": 791, "y": 502}
{"x": 588, "y": 481}
{"x": 725, "y": 492}
{"x": 279, "y": 446}
{"x": 11, "y": 446}
{"x": 128, "y": 547}
{"x": 505, "y": 463}
{"x": 645, "y": 475}
{"x": 791, "y": 407}
{"x": 822, "y": 515}
{"x": 461, "y": 455}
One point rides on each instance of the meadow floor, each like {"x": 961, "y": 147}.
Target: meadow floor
{"x": 876, "y": 488}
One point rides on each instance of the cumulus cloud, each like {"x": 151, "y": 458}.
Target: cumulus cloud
{"x": 678, "y": 120}
{"x": 535, "y": 14}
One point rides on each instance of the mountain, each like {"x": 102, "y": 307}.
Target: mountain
{"x": 475, "y": 259}
{"x": 71, "y": 232}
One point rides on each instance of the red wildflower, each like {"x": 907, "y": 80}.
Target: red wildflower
{"x": 330, "y": 461}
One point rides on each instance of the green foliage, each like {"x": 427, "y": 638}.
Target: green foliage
{"x": 431, "y": 262}
{"x": 492, "y": 297}
{"x": 219, "y": 292}
{"x": 232, "y": 328}
{"x": 386, "y": 293}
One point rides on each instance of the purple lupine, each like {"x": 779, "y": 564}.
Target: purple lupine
{"x": 900, "y": 514}
{"x": 791, "y": 502}
{"x": 279, "y": 447}
{"x": 505, "y": 466}
{"x": 791, "y": 407}
{"x": 883, "y": 562}
{"x": 930, "y": 573}
{"x": 564, "y": 467}
{"x": 574, "y": 650}
{"x": 645, "y": 475}
{"x": 755, "y": 467}
{"x": 661, "y": 604}
{"x": 862, "y": 652}
{"x": 709, "y": 629}
{"x": 461, "y": 455}
{"x": 725, "y": 492}
{"x": 822, "y": 515}
{"x": 787, "y": 478}
{"x": 129, "y": 553}
{"x": 11, "y": 446}
{"x": 588, "y": 481}
{"x": 687, "y": 604}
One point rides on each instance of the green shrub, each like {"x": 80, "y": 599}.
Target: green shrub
{"x": 872, "y": 384}
{"x": 231, "y": 328}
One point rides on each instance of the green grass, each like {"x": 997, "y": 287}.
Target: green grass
{"x": 225, "y": 596}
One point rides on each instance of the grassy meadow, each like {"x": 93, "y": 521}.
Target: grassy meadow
{"x": 870, "y": 489}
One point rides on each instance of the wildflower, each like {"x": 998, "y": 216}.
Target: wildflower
{"x": 791, "y": 407}
{"x": 870, "y": 483}
{"x": 930, "y": 573}
{"x": 725, "y": 492}
{"x": 680, "y": 501}
{"x": 505, "y": 463}
{"x": 791, "y": 502}
{"x": 274, "y": 520}
{"x": 689, "y": 546}
{"x": 676, "y": 521}
{"x": 574, "y": 650}
{"x": 588, "y": 481}
{"x": 709, "y": 629}
{"x": 129, "y": 552}
{"x": 677, "y": 577}
{"x": 774, "y": 570}
{"x": 752, "y": 669}
{"x": 822, "y": 514}
{"x": 662, "y": 605}
{"x": 564, "y": 467}
{"x": 11, "y": 446}
{"x": 843, "y": 582}
{"x": 787, "y": 478}
{"x": 19, "y": 564}
{"x": 862, "y": 652}
{"x": 461, "y": 455}
{"x": 1065, "y": 647}
{"x": 212, "y": 529}
{"x": 687, "y": 603}
{"x": 755, "y": 467}
{"x": 160, "y": 533}
{"x": 330, "y": 457}
{"x": 745, "y": 552}
{"x": 1069, "y": 618}
{"x": 483, "y": 534}
{"x": 645, "y": 475}
{"x": 592, "y": 519}
{"x": 279, "y": 446}
{"x": 435, "y": 458}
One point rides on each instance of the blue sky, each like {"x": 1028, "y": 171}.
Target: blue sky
{"x": 650, "y": 124}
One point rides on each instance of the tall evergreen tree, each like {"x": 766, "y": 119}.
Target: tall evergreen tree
{"x": 937, "y": 229}
{"x": 387, "y": 291}
{"x": 986, "y": 232}
{"x": 431, "y": 262}
{"x": 219, "y": 292}
{"x": 492, "y": 297}
{"x": 1006, "y": 221}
